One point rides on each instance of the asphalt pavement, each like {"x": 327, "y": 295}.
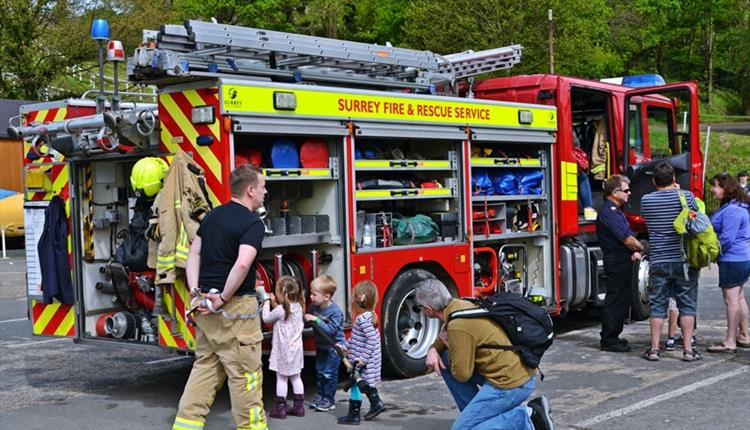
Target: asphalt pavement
{"x": 50, "y": 383}
{"x": 728, "y": 127}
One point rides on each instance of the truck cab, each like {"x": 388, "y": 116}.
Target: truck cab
{"x": 623, "y": 130}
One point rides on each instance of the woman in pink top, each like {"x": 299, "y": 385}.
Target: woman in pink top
{"x": 286, "y": 348}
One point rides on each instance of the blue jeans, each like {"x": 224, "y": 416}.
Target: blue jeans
{"x": 668, "y": 280}
{"x": 486, "y": 407}
{"x": 584, "y": 189}
{"x": 327, "y": 364}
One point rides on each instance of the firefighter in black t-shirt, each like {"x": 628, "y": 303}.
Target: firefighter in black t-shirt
{"x": 228, "y": 339}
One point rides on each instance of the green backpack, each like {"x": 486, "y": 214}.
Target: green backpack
{"x": 703, "y": 245}
{"x": 417, "y": 229}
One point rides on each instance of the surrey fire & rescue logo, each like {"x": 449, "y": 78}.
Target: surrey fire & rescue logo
{"x": 233, "y": 101}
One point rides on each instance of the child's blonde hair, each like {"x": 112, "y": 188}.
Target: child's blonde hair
{"x": 289, "y": 290}
{"x": 364, "y": 299}
{"x": 325, "y": 284}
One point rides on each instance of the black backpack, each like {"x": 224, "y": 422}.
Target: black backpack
{"x": 133, "y": 252}
{"x": 527, "y": 325}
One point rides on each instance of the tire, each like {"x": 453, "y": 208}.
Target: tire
{"x": 640, "y": 307}
{"x": 407, "y": 332}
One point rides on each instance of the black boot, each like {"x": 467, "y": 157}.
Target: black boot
{"x": 376, "y": 405}
{"x": 352, "y": 418}
{"x": 279, "y": 410}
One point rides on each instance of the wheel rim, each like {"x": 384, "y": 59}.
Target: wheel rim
{"x": 643, "y": 286}
{"x": 416, "y": 332}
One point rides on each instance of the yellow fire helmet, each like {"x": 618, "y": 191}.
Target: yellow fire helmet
{"x": 148, "y": 175}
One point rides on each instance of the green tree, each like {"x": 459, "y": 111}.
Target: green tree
{"x": 267, "y": 14}
{"x": 733, "y": 57}
{"x": 379, "y": 21}
{"x": 325, "y": 18}
{"x": 31, "y": 56}
{"x": 581, "y": 31}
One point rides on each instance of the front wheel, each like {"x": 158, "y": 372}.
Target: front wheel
{"x": 407, "y": 332}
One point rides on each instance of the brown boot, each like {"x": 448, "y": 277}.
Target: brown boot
{"x": 279, "y": 410}
{"x": 298, "y": 408}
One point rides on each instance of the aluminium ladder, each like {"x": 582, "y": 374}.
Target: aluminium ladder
{"x": 203, "y": 49}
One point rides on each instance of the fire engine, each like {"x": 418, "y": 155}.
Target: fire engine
{"x": 383, "y": 164}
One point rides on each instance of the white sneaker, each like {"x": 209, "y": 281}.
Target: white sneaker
{"x": 540, "y": 417}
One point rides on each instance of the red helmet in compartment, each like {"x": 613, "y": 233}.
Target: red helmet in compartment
{"x": 247, "y": 155}
{"x": 313, "y": 153}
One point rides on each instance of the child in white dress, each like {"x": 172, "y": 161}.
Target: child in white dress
{"x": 284, "y": 310}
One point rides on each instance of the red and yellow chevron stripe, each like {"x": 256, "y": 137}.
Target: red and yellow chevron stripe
{"x": 53, "y": 320}
{"x": 57, "y": 174}
{"x": 179, "y": 133}
{"x": 184, "y": 335}
{"x": 41, "y": 116}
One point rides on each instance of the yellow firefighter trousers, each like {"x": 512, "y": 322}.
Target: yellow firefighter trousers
{"x": 226, "y": 349}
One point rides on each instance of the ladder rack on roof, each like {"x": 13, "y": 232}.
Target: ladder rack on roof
{"x": 202, "y": 49}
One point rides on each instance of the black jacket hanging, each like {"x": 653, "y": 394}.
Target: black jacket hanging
{"x": 53, "y": 255}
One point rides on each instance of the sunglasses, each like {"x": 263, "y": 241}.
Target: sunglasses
{"x": 627, "y": 191}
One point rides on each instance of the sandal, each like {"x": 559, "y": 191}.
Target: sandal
{"x": 651, "y": 355}
{"x": 721, "y": 348}
{"x": 743, "y": 344}
{"x": 691, "y": 355}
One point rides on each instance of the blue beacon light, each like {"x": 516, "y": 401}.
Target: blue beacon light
{"x": 100, "y": 30}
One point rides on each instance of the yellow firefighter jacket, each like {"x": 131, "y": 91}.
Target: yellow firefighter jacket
{"x": 178, "y": 209}
{"x": 600, "y": 152}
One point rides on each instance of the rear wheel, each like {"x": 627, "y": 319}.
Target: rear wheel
{"x": 639, "y": 302}
{"x": 407, "y": 332}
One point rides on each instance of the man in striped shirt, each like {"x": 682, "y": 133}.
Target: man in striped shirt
{"x": 669, "y": 274}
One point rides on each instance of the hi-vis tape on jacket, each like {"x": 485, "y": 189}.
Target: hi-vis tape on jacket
{"x": 246, "y": 99}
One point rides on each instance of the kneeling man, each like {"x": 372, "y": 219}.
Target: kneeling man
{"x": 490, "y": 386}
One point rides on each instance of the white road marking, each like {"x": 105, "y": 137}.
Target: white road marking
{"x": 19, "y": 345}
{"x": 165, "y": 360}
{"x": 15, "y": 320}
{"x": 660, "y": 398}
{"x": 576, "y": 332}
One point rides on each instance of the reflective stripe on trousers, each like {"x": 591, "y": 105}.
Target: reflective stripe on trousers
{"x": 257, "y": 420}
{"x": 252, "y": 379}
{"x": 186, "y": 424}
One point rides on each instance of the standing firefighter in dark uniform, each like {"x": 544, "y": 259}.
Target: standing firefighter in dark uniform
{"x": 221, "y": 271}
{"x": 620, "y": 249}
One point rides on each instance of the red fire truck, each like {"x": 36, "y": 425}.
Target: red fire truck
{"x": 419, "y": 172}
{"x": 637, "y": 128}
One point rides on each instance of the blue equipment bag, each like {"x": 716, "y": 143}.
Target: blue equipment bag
{"x": 530, "y": 181}
{"x": 480, "y": 183}
{"x": 505, "y": 183}
{"x": 284, "y": 154}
